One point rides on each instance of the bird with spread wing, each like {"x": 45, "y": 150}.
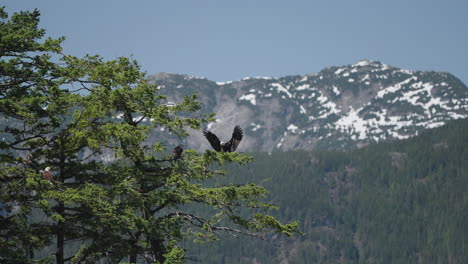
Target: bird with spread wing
{"x": 229, "y": 146}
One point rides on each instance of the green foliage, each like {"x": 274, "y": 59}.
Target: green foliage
{"x": 113, "y": 190}
{"x": 175, "y": 254}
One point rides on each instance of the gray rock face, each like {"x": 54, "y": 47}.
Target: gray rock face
{"x": 337, "y": 108}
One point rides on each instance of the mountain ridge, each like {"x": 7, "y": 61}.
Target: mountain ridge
{"x": 340, "y": 107}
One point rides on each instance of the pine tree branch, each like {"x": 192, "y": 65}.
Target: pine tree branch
{"x": 202, "y": 222}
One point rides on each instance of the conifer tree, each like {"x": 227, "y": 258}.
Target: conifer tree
{"x": 113, "y": 188}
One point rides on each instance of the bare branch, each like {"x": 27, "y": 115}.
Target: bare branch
{"x": 201, "y": 222}
{"x": 232, "y": 231}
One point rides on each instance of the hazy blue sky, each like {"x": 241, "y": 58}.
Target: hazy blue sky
{"x": 227, "y": 40}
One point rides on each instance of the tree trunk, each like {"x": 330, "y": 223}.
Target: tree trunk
{"x": 133, "y": 258}
{"x": 60, "y": 236}
{"x": 157, "y": 246}
{"x": 60, "y": 211}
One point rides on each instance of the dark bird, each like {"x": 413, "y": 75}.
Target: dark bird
{"x": 177, "y": 152}
{"x": 27, "y": 160}
{"x": 229, "y": 146}
{"x": 47, "y": 174}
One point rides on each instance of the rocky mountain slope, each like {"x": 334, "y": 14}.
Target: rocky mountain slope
{"x": 336, "y": 108}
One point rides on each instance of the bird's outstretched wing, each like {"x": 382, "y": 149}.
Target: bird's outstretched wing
{"x": 236, "y": 138}
{"x": 213, "y": 139}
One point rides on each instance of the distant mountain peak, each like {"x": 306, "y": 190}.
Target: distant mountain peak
{"x": 338, "y": 107}
{"x": 365, "y": 62}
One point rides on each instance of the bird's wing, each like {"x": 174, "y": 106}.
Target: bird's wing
{"x": 236, "y": 138}
{"x": 213, "y": 139}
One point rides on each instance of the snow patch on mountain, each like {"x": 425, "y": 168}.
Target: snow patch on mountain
{"x": 303, "y": 110}
{"x": 249, "y": 97}
{"x": 280, "y": 88}
{"x": 353, "y": 123}
{"x": 339, "y": 71}
{"x": 362, "y": 63}
{"x": 394, "y": 88}
{"x": 224, "y": 83}
{"x": 335, "y": 90}
{"x": 302, "y": 87}
{"x": 292, "y": 128}
{"x": 255, "y": 126}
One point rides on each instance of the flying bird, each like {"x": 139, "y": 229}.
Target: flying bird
{"x": 229, "y": 146}
{"x": 177, "y": 152}
{"x": 47, "y": 174}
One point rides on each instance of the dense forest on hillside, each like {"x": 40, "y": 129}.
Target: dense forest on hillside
{"x": 395, "y": 202}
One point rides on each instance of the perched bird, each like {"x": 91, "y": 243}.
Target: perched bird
{"x": 229, "y": 146}
{"x": 177, "y": 152}
{"x": 47, "y": 174}
{"x": 27, "y": 160}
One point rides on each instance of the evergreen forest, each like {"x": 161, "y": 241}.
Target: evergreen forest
{"x": 396, "y": 202}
